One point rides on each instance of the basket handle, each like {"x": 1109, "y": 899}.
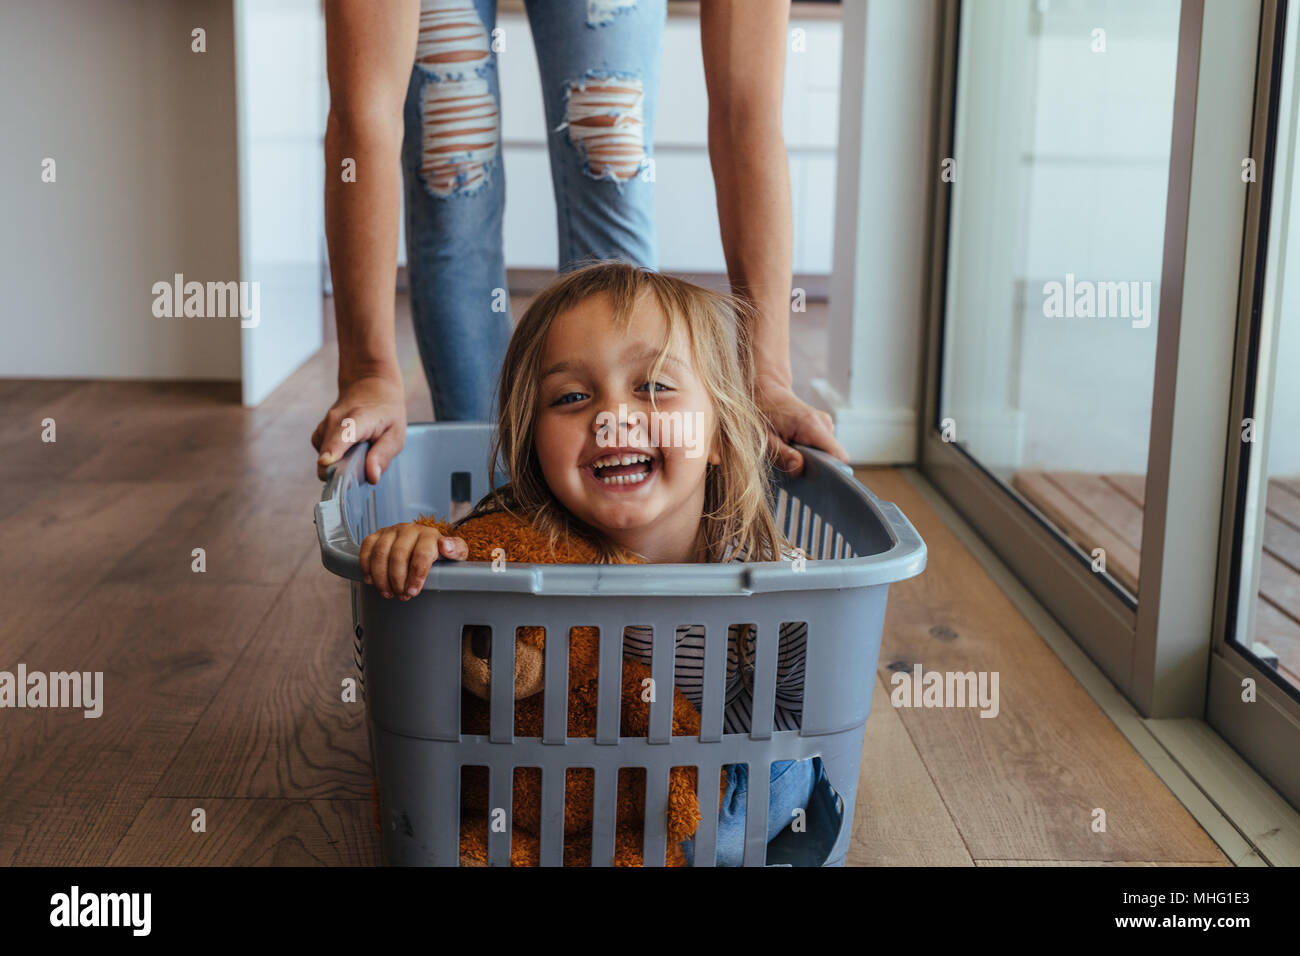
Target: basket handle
{"x": 339, "y": 553}
{"x": 909, "y": 546}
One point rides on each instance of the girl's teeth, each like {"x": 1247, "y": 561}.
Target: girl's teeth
{"x": 615, "y": 460}
{"x": 624, "y": 479}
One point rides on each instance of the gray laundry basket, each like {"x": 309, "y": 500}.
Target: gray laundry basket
{"x": 857, "y": 546}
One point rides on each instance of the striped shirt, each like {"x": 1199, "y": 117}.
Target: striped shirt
{"x": 688, "y": 667}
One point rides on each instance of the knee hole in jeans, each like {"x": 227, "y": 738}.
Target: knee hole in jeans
{"x": 606, "y": 125}
{"x": 460, "y": 126}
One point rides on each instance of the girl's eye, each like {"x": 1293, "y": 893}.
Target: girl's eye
{"x": 565, "y": 398}
{"x": 658, "y": 386}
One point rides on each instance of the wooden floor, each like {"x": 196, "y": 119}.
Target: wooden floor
{"x": 1105, "y": 511}
{"x": 222, "y": 688}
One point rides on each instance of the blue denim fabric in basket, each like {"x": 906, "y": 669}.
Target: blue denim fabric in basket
{"x": 793, "y": 783}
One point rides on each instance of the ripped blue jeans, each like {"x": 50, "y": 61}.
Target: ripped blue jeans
{"x": 599, "y": 64}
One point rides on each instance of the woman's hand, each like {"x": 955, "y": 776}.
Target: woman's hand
{"x": 397, "y": 559}
{"x": 794, "y": 420}
{"x": 376, "y": 406}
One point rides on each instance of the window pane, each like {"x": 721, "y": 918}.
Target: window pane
{"x": 1064, "y": 114}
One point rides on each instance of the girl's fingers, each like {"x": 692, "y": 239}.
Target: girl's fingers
{"x": 422, "y": 558}
{"x": 396, "y": 560}
{"x": 367, "y": 547}
{"x": 383, "y": 542}
{"x": 400, "y": 556}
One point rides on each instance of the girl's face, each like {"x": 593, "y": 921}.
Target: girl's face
{"x": 634, "y": 472}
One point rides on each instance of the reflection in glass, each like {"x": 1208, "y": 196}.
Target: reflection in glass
{"x": 1064, "y": 114}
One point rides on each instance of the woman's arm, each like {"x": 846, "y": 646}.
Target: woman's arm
{"x": 744, "y": 45}
{"x": 370, "y": 49}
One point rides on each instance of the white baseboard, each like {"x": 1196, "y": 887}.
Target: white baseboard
{"x": 872, "y": 436}
{"x": 996, "y": 438}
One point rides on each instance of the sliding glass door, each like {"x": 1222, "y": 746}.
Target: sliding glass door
{"x": 1060, "y": 169}
{"x": 1113, "y": 363}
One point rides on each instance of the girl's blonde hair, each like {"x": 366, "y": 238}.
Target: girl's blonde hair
{"x": 738, "y": 491}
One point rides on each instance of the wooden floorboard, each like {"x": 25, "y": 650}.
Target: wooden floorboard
{"x": 1096, "y": 863}
{"x": 1115, "y": 512}
{"x": 279, "y": 727}
{"x": 1132, "y": 487}
{"x": 67, "y": 539}
{"x": 251, "y": 833}
{"x": 1082, "y": 526}
{"x": 1023, "y": 785}
{"x": 163, "y": 655}
{"x": 900, "y": 818}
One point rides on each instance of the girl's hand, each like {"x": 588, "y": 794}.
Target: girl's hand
{"x": 397, "y": 559}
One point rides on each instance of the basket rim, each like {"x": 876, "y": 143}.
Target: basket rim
{"x": 905, "y": 558}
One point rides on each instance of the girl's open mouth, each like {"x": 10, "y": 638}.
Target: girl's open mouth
{"x": 622, "y": 469}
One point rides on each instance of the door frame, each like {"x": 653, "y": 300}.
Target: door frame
{"x": 1266, "y": 731}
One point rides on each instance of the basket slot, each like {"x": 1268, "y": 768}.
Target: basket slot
{"x": 760, "y": 779}
{"x": 715, "y": 674}
{"x": 790, "y": 528}
{"x": 825, "y": 542}
{"x": 815, "y": 537}
{"x": 605, "y": 813}
{"x": 655, "y": 846}
{"x": 765, "y": 650}
{"x": 500, "y": 787}
{"x": 662, "y": 665}
{"x": 708, "y": 792}
{"x": 794, "y": 531}
{"x": 782, "y": 513}
{"x": 552, "y": 839}
{"x": 461, "y": 499}
{"x": 840, "y": 545}
{"x": 796, "y": 676}
{"x": 609, "y": 690}
{"x": 555, "y": 702}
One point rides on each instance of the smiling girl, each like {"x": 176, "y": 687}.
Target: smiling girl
{"x": 604, "y": 360}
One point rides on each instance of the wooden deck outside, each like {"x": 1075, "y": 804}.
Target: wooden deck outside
{"x": 222, "y": 688}
{"x": 1105, "y": 511}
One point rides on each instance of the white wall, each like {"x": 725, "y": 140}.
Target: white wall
{"x": 282, "y": 109}
{"x": 142, "y": 133}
